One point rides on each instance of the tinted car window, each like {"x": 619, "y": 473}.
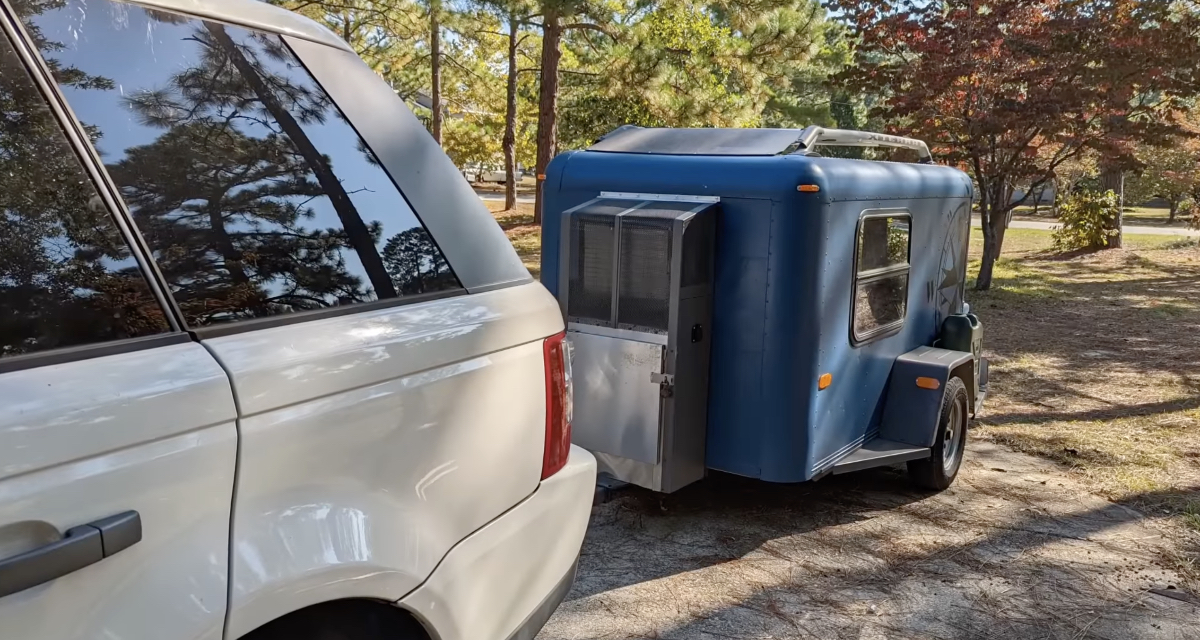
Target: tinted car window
{"x": 254, "y": 193}
{"x": 67, "y": 277}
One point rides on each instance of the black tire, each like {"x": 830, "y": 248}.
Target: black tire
{"x": 343, "y": 620}
{"x": 938, "y": 472}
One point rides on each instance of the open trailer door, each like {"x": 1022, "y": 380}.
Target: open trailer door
{"x": 637, "y": 271}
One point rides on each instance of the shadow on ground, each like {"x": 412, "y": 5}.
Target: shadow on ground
{"x": 1015, "y": 550}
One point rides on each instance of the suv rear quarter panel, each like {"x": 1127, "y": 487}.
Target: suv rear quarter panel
{"x": 372, "y": 443}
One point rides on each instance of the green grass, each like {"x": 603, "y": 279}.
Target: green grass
{"x": 1191, "y": 515}
{"x": 1132, "y": 216}
{"x": 1019, "y": 243}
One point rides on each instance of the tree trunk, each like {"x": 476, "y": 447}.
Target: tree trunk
{"x": 994, "y": 220}
{"x": 435, "y": 65}
{"x": 229, "y": 253}
{"x": 547, "y": 134}
{"x": 1114, "y": 180}
{"x": 510, "y": 118}
{"x": 1037, "y": 200}
{"x": 356, "y": 231}
{"x": 1174, "y": 203}
{"x": 1005, "y": 199}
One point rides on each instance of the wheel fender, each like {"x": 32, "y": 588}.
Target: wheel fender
{"x": 910, "y": 412}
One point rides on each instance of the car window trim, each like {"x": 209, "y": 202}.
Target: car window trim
{"x": 90, "y": 160}
{"x": 77, "y": 353}
{"x": 270, "y": 322}
{"x": 875, "y": 275}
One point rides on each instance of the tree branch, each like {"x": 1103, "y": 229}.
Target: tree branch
{"x": 589, "y": 26}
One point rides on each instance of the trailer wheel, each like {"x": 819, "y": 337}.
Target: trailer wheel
{"x": 938, "y": 472}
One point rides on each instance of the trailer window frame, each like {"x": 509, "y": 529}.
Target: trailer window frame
{"x": 868, "y": 276}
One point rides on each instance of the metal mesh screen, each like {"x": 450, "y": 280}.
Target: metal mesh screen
{"x": 590, "y": 286}
{"x": 645, "y": 291}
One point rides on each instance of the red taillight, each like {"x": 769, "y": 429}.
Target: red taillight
{"x": 558, "y": 404}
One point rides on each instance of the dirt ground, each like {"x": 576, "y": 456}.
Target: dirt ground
{"x": 1076, "y": 515}
{"x": 525, "y": 236}
{"x": 1016, "y": 549}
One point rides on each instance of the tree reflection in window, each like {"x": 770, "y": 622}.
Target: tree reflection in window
{"x": 67, "y": 277}
{"x": 255, "y": 195}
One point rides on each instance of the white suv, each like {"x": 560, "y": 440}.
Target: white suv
{"x": 268, "y": 368}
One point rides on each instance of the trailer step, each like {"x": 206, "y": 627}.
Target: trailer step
{"x": 878, "y": 453}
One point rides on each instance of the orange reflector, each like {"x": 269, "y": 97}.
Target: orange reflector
{"x": 928, "y": 383}
{"x": 825, "y": 380}
{"x": 541, "y": 176}
{"x": 808, "y": 188}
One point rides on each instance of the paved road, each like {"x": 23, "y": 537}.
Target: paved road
{"x": 1131, "y": 230}
{"x": 499, "y": 197}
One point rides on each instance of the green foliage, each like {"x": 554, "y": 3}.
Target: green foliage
{"x": 1187, "y": 208}
{"x": 1170, "y": 172}
{"x": 1087, "y": 219}
{"x": 1190, "y": 211}
{"x": 690, "y": 63}
{"x": 675, "y": 63}
{"x": 897, "y": 241}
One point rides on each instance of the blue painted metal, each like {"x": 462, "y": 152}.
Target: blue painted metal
{"x": 783, "y": 290}
{"x": 911, "y": 412}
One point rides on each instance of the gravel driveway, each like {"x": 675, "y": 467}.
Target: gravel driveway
{"x": 1015, "y": 550}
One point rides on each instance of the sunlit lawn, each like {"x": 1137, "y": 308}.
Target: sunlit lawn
{"x": 1096, "y": 363}
{"x": 1132, "y": 216}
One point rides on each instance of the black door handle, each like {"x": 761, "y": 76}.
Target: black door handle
{"x": 80, "y": 546}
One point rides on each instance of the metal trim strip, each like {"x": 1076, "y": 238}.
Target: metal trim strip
{"x": 623, "y": 334}
{"x": 658, "y": 197}
{"x": 832, "y": 459}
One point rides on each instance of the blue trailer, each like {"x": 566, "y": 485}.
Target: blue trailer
{"x": 737, "y": 302}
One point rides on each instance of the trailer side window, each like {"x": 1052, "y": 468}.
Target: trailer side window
{"x": 881, "y": 275}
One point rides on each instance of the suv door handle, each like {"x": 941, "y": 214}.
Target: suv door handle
{"x": 80, "y": 546}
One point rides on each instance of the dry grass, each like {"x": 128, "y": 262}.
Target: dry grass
{"x": 1096, "y": 365}
{"x": 525, "y": 236}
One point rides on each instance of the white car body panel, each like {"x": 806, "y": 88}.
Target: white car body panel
{"x": 372, "y": 443}
{"x": 460, "y": 599}
{"x": 151, "y": 431}
{"x": 387, "y": 453}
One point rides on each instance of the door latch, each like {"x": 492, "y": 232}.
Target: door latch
{"x": 665, "y": 382}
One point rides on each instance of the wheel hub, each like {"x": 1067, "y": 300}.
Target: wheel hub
{"x": 952, "y": 438}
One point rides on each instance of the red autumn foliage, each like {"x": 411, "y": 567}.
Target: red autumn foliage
{"x": 1008, "y": 90}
